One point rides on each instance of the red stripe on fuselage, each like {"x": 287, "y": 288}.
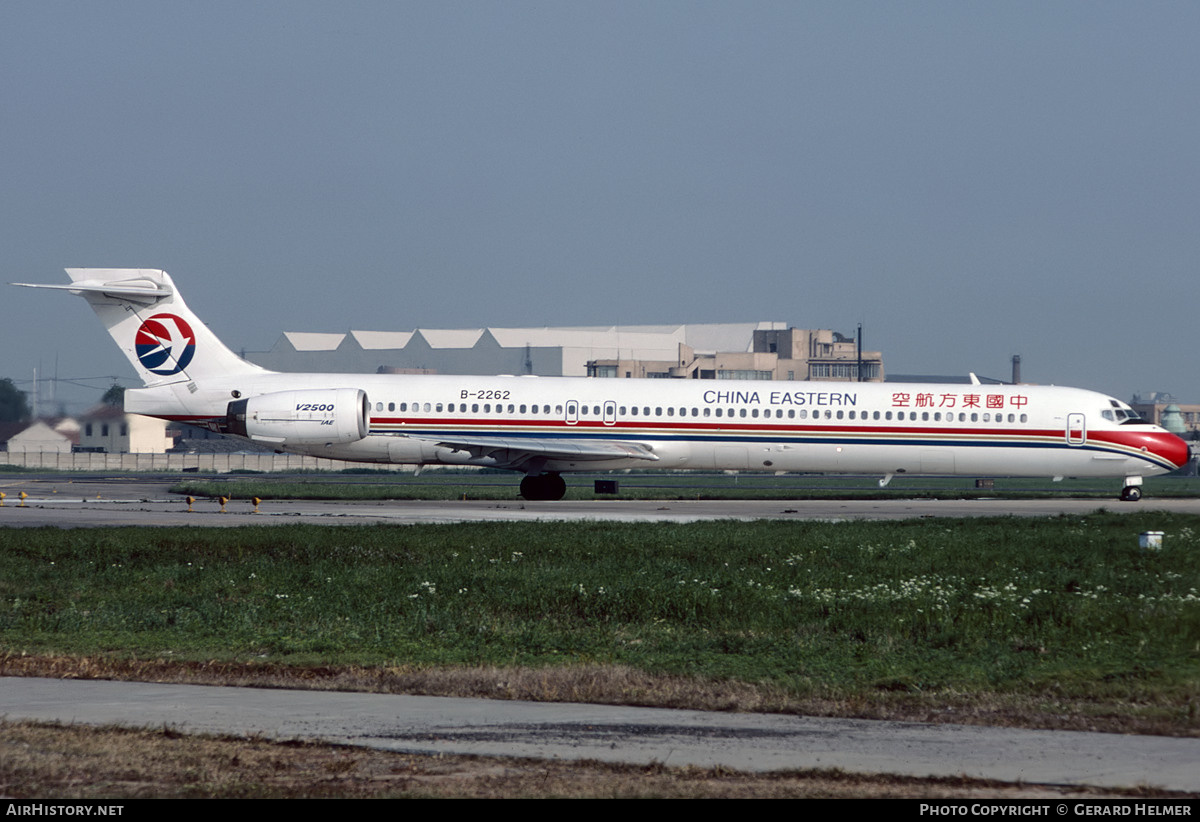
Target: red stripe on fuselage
{"x": 717, "y": 427}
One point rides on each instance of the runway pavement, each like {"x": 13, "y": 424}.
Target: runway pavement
{"x": 747, "y": 742}
{"x": 138, "y": 501}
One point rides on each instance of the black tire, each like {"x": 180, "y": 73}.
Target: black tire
{"x": 548, "y": 487}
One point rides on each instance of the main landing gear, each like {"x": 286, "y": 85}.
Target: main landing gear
{"x": 543, "y": 486}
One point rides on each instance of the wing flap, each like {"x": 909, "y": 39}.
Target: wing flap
{"x": 546, "y": 447}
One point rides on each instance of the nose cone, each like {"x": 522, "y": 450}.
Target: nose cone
{"x": 1171, "y": 448}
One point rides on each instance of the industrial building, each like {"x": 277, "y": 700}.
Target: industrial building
{"x": 763, "y": 350}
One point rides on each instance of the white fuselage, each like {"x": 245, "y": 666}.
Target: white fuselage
{"x": 874, "y": 428}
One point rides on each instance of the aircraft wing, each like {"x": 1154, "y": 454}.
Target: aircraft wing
{"x": 518, "y": 450}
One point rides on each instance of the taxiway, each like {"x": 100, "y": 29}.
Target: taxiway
{"x": 746, "y": 742}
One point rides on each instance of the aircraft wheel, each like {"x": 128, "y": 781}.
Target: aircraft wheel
{"x": 543, "y": 487}
{"x": 1131, "y": 493}
{"x": 529, "y": 486}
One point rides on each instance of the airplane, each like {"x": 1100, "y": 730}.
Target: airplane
{"x": 544, "y": 427}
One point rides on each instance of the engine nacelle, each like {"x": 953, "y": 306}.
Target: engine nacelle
{"x": 330, "y": 416}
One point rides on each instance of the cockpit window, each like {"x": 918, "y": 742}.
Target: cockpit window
{"x": 1126, "y": 416}
{"x": 1122, "y": 414}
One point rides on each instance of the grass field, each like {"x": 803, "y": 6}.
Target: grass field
{"x": 1000, "y": 612}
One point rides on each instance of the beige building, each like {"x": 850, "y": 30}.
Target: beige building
{"x": 108, "y": 429}
{"x": 1162, "y": 409}
{"x": 775, "y": 354}
{"x": 32, "y": 437}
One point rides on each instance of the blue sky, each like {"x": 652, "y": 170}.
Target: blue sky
{"x": 968, "y": 180}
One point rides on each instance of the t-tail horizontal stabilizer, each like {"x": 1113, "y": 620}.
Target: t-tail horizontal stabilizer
{"x": 161, "y": 337}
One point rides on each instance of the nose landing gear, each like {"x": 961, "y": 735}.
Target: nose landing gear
{"x": 1132, "y": 492}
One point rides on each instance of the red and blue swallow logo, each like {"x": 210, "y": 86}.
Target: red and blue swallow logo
{"x": 165, "y": 344}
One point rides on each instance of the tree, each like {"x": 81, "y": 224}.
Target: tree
{"x": 114, "y": 396}
{"x": 13, "y": 405}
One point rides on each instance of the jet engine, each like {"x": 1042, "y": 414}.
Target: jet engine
{"x": 331, "y": 416}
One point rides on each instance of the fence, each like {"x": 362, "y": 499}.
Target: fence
{"x": 200, "y": 463}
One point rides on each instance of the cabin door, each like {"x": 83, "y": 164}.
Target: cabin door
{"x": 1076, "y": 429}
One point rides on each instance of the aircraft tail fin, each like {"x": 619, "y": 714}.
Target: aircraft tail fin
{"x": 143, "y": 311}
